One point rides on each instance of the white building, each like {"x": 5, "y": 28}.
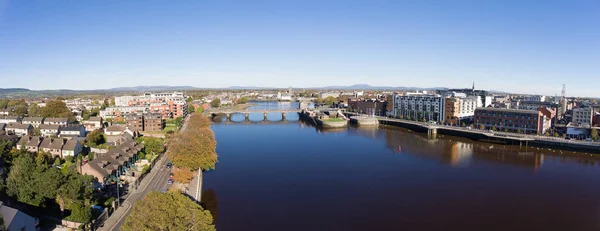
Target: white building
{"x": 328, "y": 94}
{"x": 48, "y": 130}
{"x": 535, "y": 98}
{"x": 10, "y": 119}
{"x": 19, "y": 129}
{"x": 71, "y": 148}
{"x": 72, "y": 131}
{"x": 418, "y": 107}
{"x": 582, "y": 117}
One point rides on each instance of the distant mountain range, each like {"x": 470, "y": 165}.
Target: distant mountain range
{"x": 23, "y": 92}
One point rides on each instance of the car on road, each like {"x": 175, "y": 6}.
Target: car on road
{"x": 169, "y": 164}
{"x": 170, "y": 181}
{"x": 170, "y": 175}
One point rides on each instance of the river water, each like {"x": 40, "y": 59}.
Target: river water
{"x": 292, "y": 176}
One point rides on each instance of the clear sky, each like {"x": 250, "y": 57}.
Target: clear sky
{"x": 516, "y": 46}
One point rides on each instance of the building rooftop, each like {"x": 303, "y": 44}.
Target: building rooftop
{"x": 507, "y": 110}
{"x": 49, "y": 126}
{"x": 72, "y": 128}
{"x": 95, "y": 119}
{"x": 57, "y": 120}
{"x": 33, "y": 119}
{"x": 70, "y": 145}
{"x": 51, "y": 143}
{"x": 18, "y": 125}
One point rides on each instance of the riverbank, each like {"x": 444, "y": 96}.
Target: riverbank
{"x": 494, "y": 137}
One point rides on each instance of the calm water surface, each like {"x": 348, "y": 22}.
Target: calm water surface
{"x": 291, "y": 176}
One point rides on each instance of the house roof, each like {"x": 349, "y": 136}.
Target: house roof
{"x": 33, "y": 119}
{"x": 57, "y": 120}
{"x": 52, "y": 143}
{"x": 2, "y": 125}
{"x": 18, "y": 125}
{"x": 115, "y": 128}
{"x": 49, "y": 127}
{"x": 72, "y": 128}
{"x": 507, "y": 110}
{"x": 34, "y": 141}
{"x": 95, "y": 119}
{"x": 106, "y": 163}
{"x": 12, "y": 117}
{"x": 70, "y": 145}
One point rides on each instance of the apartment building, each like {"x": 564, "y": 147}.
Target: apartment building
{"x": 135, "y": 122}
{"x": 167, "y": 104}
{"x": 153, "y": 122}
{"x": 512, "y": 120}
{"x": 419, "y": 107}
{"x": 458, "y": 109}
{"x": 376, "y": 107}
{"x": 582, "y": 117}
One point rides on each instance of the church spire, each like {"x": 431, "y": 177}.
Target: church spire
{"x": 473, "y": 88}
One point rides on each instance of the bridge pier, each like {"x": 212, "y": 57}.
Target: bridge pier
{"x": 228, "y": 115}
{"x": 432, "y": 132}
{"x": 282, "y": 116}
{"x": 265, "y": 114}
{"x": 247, "y": 116}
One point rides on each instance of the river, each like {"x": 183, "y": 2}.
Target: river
{"x": 292, "y": 176}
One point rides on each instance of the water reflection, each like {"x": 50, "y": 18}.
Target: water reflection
{"x": 210, "y": 202}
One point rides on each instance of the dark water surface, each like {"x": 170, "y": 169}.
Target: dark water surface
{"x": 291, "y": 176}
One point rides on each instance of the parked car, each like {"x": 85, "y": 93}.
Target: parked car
{"x": 171, "y": 176}
{"x": 169, "y": 164}
{"x": 170, "y": 181}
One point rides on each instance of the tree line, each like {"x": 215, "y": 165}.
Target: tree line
{"x": 190, "y": 150}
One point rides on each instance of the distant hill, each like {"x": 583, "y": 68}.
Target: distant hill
{"x": 152, "y": 88}
{"x": 13, "y": 90}
{"x": 369, "y": 87}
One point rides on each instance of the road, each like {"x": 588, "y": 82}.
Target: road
{"x": 155, "y": 181}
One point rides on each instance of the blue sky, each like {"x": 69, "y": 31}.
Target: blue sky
{"x": 516, "y": 46}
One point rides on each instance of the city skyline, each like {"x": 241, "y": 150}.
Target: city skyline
{"x": 509, "y": 46}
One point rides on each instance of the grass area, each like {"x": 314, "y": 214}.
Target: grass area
{"x": 333, "y": 120}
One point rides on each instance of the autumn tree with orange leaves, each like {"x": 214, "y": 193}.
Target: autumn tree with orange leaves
{"x": 193, "y": 149}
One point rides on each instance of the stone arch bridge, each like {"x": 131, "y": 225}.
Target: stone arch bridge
{"x": 246, "y": 113}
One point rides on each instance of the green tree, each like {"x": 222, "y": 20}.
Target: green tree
{"x": 32, "y": 183}
{"x": 152, "y": 145}
{"x": 463, "y": 124}
{"x": 79, "y": 213}
{"x": 215, "y": 103}
{"x": 424, "y": 120}
{"x": 189, "y": 99}
{"x": 34, "y": 110}
{"x": 329, "y": 100}
{"x": 2, "y": 224}
{"x": 191, "y": 109}
{"x": 493, "y": 128}
{"x": 243, "y": 100}
{"x": 168, "y": 211}
{"x": 481, "y": 126}
{"x": 20, "y": 110}
{"x": 3, "y": 103}
{"x": 37, "y": 132}
{"x": 594, "y": 134}
{"x": 95, "y": 138}
{"x": 57, "y": 108}
{"x": 90, "y": 156}
{"x": 556, "y": 134}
